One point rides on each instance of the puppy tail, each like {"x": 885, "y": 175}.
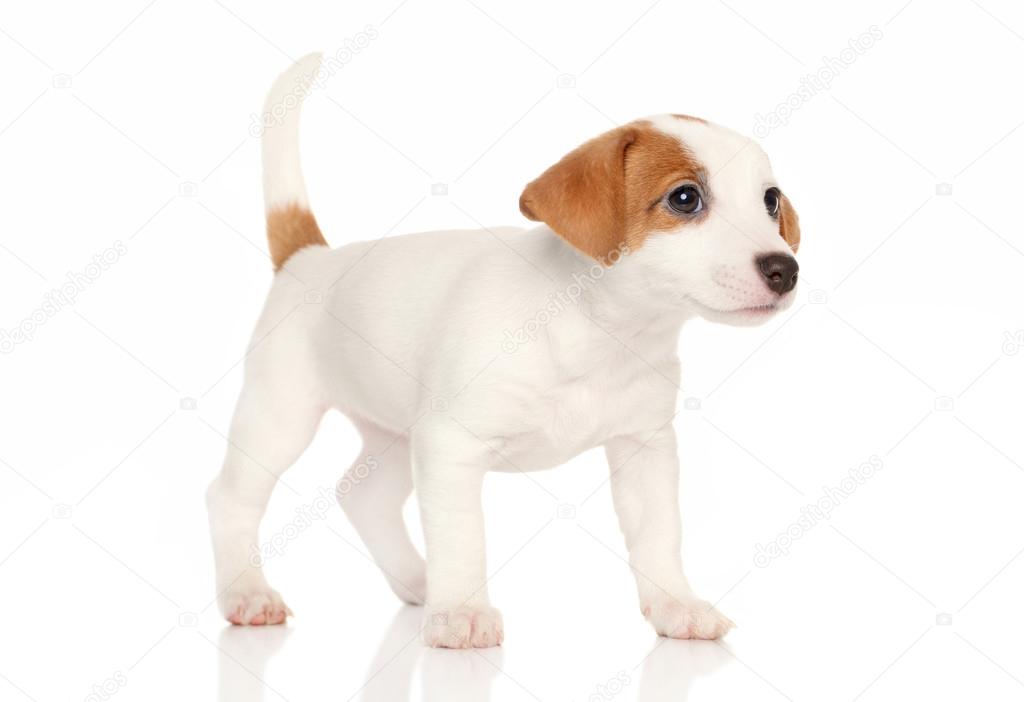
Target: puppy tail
{"x": 290, "y": 223}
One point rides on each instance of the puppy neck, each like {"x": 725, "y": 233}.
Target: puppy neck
{"x": 615, "y": 292}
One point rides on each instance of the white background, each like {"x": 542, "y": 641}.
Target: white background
{"x": 129, "y": 122}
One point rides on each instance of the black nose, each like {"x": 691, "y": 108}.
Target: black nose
{"x": 779, "y": 271}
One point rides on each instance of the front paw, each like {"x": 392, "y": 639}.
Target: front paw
{"x": 465, "y": 626}
{"x": 686, "y": 618}
{"x": 253, "y": 606}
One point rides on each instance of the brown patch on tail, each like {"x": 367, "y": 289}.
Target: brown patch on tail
{"x": 290, "y": 229}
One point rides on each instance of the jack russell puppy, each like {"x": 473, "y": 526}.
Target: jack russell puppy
{"x": 455, "y": 353}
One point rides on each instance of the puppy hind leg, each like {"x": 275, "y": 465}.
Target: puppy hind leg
{"x": 272, "y": 425}
{"x": 372, "y": 493}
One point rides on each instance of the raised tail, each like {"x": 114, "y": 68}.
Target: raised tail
{"x": 290, "y": 223}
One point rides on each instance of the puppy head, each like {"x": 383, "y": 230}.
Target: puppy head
{"x": 696, "y": 207}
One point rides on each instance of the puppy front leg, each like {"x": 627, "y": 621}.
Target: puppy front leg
{"x": 448, "y": 476}
{"x": 645, "y": 491}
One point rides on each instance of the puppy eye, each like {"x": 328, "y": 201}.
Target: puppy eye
{"x": 685, "y": 199}
{"x": 771, "y": 201}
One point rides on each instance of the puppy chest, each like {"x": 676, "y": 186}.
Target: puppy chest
{"x": 575, "y": 416}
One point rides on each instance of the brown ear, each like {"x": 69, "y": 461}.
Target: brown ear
{"x": 583, "y": 196}
{"x": 789, "y": 223}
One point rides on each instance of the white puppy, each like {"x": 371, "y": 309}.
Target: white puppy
{"x": 459, "y": 352}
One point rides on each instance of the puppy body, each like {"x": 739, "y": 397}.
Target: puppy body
{"x": 460, "y": 352}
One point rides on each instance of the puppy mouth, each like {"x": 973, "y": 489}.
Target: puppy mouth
{"x": 765, "y": 309}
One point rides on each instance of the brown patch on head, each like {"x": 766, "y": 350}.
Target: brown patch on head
{"x": 789, "y": 223}
{"x": 606, "y": 193}
{"x": 289, "y": 229}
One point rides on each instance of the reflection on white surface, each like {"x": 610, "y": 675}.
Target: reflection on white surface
{"x": 672, "y": 667}
{"x": 458, "y": 676}
{"x": 666, "y": 673}
{"x": 389, "y": 676}
{"x": 445, "y": 675}
{"x": 242, "y": 661}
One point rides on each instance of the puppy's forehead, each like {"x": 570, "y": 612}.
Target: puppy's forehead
{"x": 723, "y": 153}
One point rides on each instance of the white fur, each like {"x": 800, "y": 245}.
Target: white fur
{"x": 283, "y": 183}
{"x": 417, "y": 341}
